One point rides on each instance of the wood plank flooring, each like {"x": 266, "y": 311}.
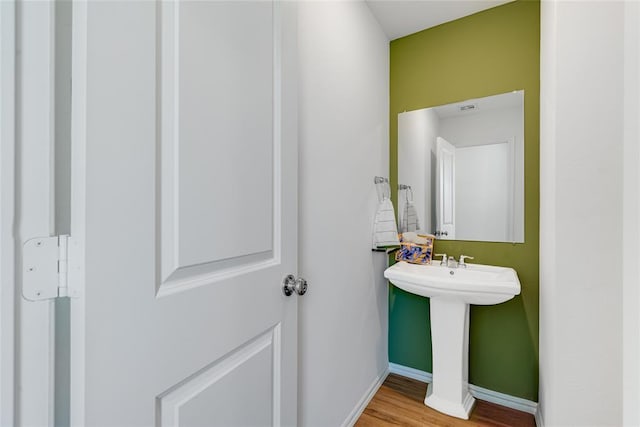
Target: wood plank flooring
{"x": 400, "y": 402}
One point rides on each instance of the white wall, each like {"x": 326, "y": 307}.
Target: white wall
{"x": 581, "y": 234}
{"x": 343, "y": 110}
{"x": 417, "y": 132}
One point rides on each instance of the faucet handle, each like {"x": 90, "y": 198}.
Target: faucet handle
{"x": 462, "y": 258}
{"x": 443, "y": 261}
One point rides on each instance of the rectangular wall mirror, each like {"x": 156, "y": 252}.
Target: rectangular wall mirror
{"x": 461, "y": 169}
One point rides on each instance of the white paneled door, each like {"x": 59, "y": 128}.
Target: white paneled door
{"x": 184, "y": 187}
{"x": 445, "y": 189}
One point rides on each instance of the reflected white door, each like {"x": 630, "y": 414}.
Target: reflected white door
{"x": 184, "y": 199}
{"x": 445, "y": 189}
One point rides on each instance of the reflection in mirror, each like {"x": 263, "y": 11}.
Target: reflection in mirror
{"x": 461, "y": 169}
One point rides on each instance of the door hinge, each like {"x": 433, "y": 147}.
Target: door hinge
{"x": 45, "y": 271}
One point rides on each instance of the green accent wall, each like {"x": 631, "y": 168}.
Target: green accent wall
{"x": 491, "y": 52}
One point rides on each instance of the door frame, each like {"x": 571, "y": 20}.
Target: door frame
{"x": 7, "y": 210}
{"x": 30, "y": 188}
{"x": 77, "y": 211}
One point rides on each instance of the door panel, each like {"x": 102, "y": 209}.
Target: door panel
{"x": 190, "y": 213}
{"x": 211, "y": 51}
{"x": 215, "y": 51}
{"x": 213, "y": 394}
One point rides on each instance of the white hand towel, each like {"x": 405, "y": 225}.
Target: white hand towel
{"x": 402, "y": 223}
{"x": 409, "y": 218}
{"x": 385, "y": 230}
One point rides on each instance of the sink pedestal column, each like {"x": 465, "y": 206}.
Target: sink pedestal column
{"x": 449, "y": 391}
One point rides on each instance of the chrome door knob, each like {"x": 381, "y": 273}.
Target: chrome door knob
{"x": 301, "y": 286}
{"x": 290, "y": 285}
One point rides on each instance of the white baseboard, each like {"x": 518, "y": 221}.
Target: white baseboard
{"x": 361, "y": 406}
{"x": 502, "y": 399}
{"x": 408, "y": 372}
{"x": 538, "y": 415}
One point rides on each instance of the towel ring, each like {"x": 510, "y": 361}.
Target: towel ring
{"x": 407, "y": 189}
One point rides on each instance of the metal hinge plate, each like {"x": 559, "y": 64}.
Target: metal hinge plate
{"x": 45, "y": 265}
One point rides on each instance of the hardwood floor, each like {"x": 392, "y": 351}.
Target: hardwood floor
{"x": 400, "y": 402}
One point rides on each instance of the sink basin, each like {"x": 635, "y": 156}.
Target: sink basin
{"x": 451, "y": 290}
{"x": 476, "y": 284}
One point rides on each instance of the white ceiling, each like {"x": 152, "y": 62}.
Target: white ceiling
{"x": 400, "y": 18}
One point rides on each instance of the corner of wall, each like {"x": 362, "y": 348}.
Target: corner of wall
{"x": 357, "y": 411}
{"x": 631, "y": 219}
{"x": 538, "y": 417}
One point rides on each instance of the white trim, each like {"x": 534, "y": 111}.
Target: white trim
{"x": 366, "y": 398}
{"x": 7, "y": 210}
{"x": 538, "y": 416}
{"x": 549, "y": 315}
{"x": 76, "y": 273}
{"x": 502, "y": 399}
{"x": 35, "y": 130}
{"x": 408, "y": 372}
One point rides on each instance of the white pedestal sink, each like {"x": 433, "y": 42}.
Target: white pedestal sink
{"x": 451, "y": 290}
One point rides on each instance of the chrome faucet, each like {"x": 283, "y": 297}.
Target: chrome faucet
{"x": 444, "y": 259}
{"x": 461, "y": 263}
{"x": 451, "y": 261}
